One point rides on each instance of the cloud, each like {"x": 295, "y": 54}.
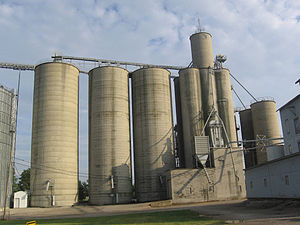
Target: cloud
{"x": 259, "y": 38}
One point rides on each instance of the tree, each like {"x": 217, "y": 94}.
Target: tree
{"x": 83, "y": 190}
{"x": 15, "y": 184}
{"x": 24, "y": 180}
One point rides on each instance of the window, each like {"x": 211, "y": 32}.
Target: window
{"x": 265, "y": 182}
{"x": 287, "y": 127}
{"x": 251, "y": 184}
{"x": 297, "y": 125}
{"x": 290, "y": 149}
{"x": 286, "y": 178}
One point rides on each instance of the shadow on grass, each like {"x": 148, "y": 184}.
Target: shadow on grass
{"x": 168, "y": 217}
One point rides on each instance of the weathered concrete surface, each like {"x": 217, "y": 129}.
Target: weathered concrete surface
{"x": 225, "y": 181}
{"x": 192, "y": 113}
{"x": 237, "y": 211}
{"x": 152, "y": 132}
{"x": 109, "y": 136}
{"x": 225, "y": 103}
{"x": 54, "y": 146}
{"x": 265, "y": 125}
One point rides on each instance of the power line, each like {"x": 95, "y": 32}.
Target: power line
{"x": 61, "y": 171}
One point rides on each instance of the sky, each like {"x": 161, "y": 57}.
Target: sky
{"x": 259, "y": 37}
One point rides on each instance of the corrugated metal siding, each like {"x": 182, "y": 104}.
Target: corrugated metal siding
{"x": 201, "y": 145}
{"x": 5, "y": 139}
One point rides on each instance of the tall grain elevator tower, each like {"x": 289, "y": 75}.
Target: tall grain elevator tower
{"x": 202, "y": 58}
{"x": 152, "y": 132}
{"x": 191, "y": 112}
{"x": 8, "y": 114}
{"x": 225, "y": 104}
{"x": 109, "y": 136}
{"x": 54, "y": 147}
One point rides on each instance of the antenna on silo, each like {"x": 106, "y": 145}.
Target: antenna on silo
{"x": 199, "y": 28}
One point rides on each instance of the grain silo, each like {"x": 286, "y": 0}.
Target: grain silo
{"x": 109, "y": 136}
{"x": 225, "y": 103}
{"x": 54, "y": 147}
{"x": 247, "y": 136}
{"x": 202, "y": 53}
{"x": 265, "y": 126}
{"x": 202, "y": 58}
{"x": 153, "y": 132}
{"x": 192, "y": 113}
{"x": 179, "y": 151}
{"x": 8, "y": 102}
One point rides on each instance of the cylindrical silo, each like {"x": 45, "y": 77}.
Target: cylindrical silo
{"x": 8, "y": 101}
{"x": 54, "y": 147}
{"x": 192, "y": 113}
{"x": 209, "y": 95}
{"x": 247, "y": 135}
{"x": 225, "y": 103}
{"x": 202, "y": 53}
{"x": 265, "y": 126}
{"x": 153, "y": 132}
{"x": 202, "y": 58}
{"x": 179, "y": 126}
{"x": 109, "y": 136}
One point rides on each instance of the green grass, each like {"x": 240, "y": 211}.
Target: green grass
{"x": 166, "y": 218}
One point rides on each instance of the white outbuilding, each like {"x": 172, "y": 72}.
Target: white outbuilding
{"x": 20, "y": 199}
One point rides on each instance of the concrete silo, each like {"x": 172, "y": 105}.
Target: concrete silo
{"x": 202, "y": 53}
{"x": 192, "y": 113}
{"x": 225, "y": 103}
{"x": 265, "y": 126}
{"x": 8, "y": 102}
{"x": 54, "y": 147}
{"x": 153, "y": 132}
{"x": 179, "y": 151}
{"x": 247, "y": 135}
{"x": 109, "y": 136}
{"x": 202, "y": 57}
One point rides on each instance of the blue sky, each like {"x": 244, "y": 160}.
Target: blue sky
{"x": 260, "y": 39}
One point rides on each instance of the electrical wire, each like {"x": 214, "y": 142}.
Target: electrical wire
{"x": 62, "y": 171}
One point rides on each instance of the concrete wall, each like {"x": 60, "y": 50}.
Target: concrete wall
{"x": 54, "y": 145}
{"x": 290, "y": 121}
{"x": 275, "y": 179}
{"x": 192, "y": 185}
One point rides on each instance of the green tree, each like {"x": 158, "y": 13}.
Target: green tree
{"x": 24, "y": 180}
{"x": 15, "y": 184}
{"x": 83, "y": 190}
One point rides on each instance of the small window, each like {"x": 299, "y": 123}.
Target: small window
{"x": 286, "y": 178}
{"x": 251, "y": 184}
{"x": 290, "y": 149}
{"x": 265, "y": 182}
{"x": 287, "y": 126}
{"x": 297, "y": 125}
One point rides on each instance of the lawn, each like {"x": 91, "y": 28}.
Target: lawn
{"x": 165, "y": 218}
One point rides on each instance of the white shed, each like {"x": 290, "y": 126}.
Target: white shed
{"x": 20, "y": 199}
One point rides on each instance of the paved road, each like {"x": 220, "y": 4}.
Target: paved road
{"x": 239, "y": 211}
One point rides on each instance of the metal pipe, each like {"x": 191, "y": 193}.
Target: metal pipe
{"x": 115, "y": 62}
{"x": 243, "y": 87}
{"x": 238, "y": 97}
